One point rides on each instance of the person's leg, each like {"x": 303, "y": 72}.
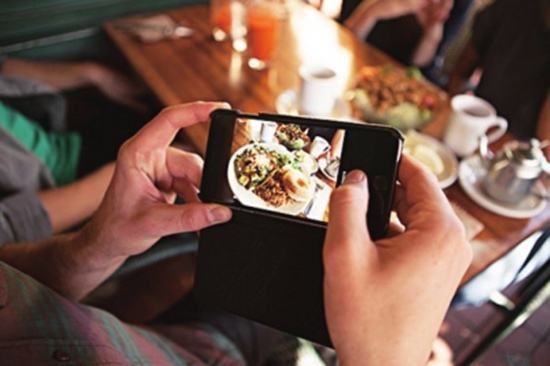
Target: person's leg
{"x": 259, "y": 345}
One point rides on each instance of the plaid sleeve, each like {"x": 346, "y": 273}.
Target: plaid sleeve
{"x": 40, "y": 327}
{"x": 23, "y": 218}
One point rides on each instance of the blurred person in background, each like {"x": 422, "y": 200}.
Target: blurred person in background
{"x": 52, "y": 179}
{"x": 408, "y": 30}
{"x": 510, "y": 43}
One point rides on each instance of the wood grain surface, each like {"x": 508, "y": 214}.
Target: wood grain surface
{"x": 198, "y": 68}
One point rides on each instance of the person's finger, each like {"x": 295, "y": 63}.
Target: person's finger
{"x": 166, "y": 219}
{"x": 184, "y": 165}
{"x": 185, "y": 189}
{"x": 347, "y": 228}
{"x": 418, "y": 199}
{"x": 160, "y": 132}
{"x": 441, "y": 351}
{"x": 395, "y": 228}
{"x": 400, "y": 204}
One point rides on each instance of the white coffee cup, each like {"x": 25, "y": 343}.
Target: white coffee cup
{"x": 470, "y": 119}
{"x": 254, "y": 129}
{"x": 318, "y": 146}
{"x": 318, "y": 90}
{"x": 261, "y": 131}
{"x": 267, "y": 132}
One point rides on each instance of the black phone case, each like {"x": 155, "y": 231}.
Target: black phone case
{"x": 263, "y": 266}
{"x": 267, "y": 270}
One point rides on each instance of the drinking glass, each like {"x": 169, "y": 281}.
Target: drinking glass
{"x": 263, "y": 32}
{"x": 220, "y": 18}
{"x": 228, "y": 18}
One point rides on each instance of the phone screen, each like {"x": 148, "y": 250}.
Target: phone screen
{"x": 287, "y": 168}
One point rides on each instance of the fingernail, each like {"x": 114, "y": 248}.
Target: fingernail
{"x": 219, "y": 214}
{"x": 354, "y": 177}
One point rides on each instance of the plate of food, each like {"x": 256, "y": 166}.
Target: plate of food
{"x": 389, "y": 95}
{"x": 308, "y": 164}
{"x": 292, "y": 136}
{"x": 433, "y": 155}
{"x": 268, "y": 176}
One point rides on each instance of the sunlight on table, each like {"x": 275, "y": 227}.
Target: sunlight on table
{"x": 318, "y": 44}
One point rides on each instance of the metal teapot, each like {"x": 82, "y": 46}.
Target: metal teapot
{"x": 513, "y": 171}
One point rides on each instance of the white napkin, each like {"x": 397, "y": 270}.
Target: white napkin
{"x": 154, "y": 28}
{"x": 472, "y": 225}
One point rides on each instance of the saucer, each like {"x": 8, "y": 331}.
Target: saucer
{"x": 323, "y": 163}
{"x": 287, "y": 103}
{"x": 470, "y": 176}
{"x": 448, "y": 172}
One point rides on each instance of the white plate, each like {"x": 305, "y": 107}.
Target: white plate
{"x": 470, "y": 176}
{"x": 450, "y": 164}
{"x": 248, "y": 198}
{"x": 287, "y": 103}
{"x": 314, "y": 163}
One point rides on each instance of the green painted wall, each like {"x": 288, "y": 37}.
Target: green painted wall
{"x": 66, "y": 29}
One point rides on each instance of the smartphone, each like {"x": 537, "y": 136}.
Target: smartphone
{"x": 287, "y": 166}
{"x": 277, "y": 173}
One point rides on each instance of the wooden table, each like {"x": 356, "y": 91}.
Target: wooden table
{"x": 198, "y": 68}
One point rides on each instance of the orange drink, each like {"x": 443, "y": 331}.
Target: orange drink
{"x": 229, "y": 21}
{"x": 263, "y": 29}
{"x": 220, "y": 17}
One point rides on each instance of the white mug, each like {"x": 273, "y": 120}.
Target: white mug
{"x": 318, "y": 90}
{"x": 470, "y": 119}
{"x": 318, "y": 146}
{"x": 268, "y": 131}
{"x": 254, "y": 129}
{"x": 261, "y": 131}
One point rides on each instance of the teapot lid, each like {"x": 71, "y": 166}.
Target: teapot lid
{"x": 528, "y": 155}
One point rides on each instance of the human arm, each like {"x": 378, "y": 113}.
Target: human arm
{"x": 385, "y": 299}
{"x": 543, "y": 127}
{"x": 71, "y": 75}
{"x": 137, "y": 209}
{"x": 58, "y": 75}
{"x": 23, "y": 218}
{"x": 432, "y": 18}
{"x": 363, "y": 19}
{"x": 71, "y": 204}
{"x": 466, "y": 65}
{"x": 484, "y": 32}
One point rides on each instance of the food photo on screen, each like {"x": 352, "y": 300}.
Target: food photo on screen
{"x": 286, "y": 168}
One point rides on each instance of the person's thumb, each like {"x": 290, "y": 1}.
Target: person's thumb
{"x": 347, "y": 231}
{"x": 166, "y": 219}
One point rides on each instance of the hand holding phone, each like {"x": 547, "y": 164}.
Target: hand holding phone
{"x": 385, "y": 299}
{"x": 277, "y": 174}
